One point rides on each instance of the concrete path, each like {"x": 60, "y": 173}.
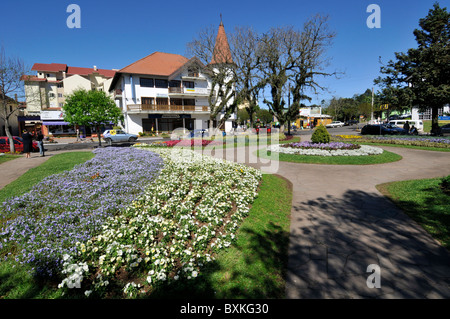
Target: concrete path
{"x": 341, "y": 224}
{"x": 11, "y": 170}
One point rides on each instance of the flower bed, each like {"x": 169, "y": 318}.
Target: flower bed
{"x": 329, "y": 149}
{"x": 323, "y": 146}
{"x": 184, "y": 143}
{"x": 190, "y": 213}
{"x": 71, "y": 207}
{"x": 409, "y": 141}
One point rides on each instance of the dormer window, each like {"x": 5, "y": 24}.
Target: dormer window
{"x": 193, "y": 72}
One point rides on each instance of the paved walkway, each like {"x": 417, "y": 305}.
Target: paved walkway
{"x": 11, "y": 170}
{"x": 341, "y": 224}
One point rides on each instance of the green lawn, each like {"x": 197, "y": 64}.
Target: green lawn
{"x": 427, "y": 125}
{"x": 56, "y": 164}
{"x": 386, "y": 157}
{"x": 8, "y": 157}
{"x": 425, "y": 202}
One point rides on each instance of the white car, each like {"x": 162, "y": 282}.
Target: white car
{"x": 335, "y": 124}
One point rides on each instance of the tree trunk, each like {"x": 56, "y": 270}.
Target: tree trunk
{"x": 435, "y": 119}
{"x": 211, "y": 127}
{"x": 99, "y": 136}
{"x": 12, "y": 146}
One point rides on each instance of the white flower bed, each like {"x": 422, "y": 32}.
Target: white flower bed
{"x": 186, "y": 216}
{"x": 363, "y": 151}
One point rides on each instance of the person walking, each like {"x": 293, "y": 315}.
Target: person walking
{"x": 40, "y": 140}
{"x": 27, "y": 139}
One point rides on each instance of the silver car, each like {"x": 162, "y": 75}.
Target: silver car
{"x": 118, "y": 136}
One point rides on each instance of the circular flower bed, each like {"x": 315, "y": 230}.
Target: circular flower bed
{"x": 326, "y": 149}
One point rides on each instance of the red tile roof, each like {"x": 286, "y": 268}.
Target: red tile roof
{"x": 222, "y": 53}
{"x": 31, "y": 78}
{"x": 157, "y": 63}
{"x": 52, "y": 67}
{"x": 71, "y": 70}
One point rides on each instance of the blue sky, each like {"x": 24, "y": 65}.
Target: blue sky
{"x": 116, "y": 33}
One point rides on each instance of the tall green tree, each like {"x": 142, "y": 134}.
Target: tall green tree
{"x": 422, "y": 74}
{"x": 91, "y": 108}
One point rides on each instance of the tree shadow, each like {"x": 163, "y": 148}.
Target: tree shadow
{"x": 334, "y": 240}
{"x": 259, "y": 274}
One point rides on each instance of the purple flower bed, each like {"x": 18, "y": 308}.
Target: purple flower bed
{"x": 323, "y": 146}
{"x": 71, "y": 207}
{"x": 413, "y": 139}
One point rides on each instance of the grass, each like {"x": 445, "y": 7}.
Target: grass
{"x": 254, "y": 267}
{"x": 386, "y": 157}
{"x": 8, "y": 157}
{"x": 425, "y": 202}
{"x": 54, "y": 165}
{"x": 425, "y": 148}
{"x": 427, "y": 125}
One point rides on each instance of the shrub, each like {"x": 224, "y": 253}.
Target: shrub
{"x": 445, "y": 185}
{"x": 320, "y": 135}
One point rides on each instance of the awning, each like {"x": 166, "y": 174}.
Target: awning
{"x": 55, "y": 123}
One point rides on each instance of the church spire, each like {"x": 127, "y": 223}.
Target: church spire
{"x": 222, "y": 52}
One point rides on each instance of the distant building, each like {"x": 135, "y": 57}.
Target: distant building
{"x": 47, "y": 90}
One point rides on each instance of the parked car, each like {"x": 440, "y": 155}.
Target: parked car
{"x": 382, "y": 129}
{"x": 18, "y": 142}
{"x": 351, "y": 122}
{"x": 335, "y": 124}
{"x": 417, "y": 124}
{"x": 118, "y": 136}
{"x": 443, "y": 130}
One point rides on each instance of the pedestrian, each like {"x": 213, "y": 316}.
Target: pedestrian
{"x": 40, "y": 140}
{"x": 78, "y": 134}
{"x": 27, "y": 139}
{"x": 406, "y": 126}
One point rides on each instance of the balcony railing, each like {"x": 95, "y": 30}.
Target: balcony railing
{"x": 189, "y": 91}
{"x": 166, "y": 108}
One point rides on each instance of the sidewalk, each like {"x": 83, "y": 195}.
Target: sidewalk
{"x": 11, "y": 170}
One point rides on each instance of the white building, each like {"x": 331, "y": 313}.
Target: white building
{"x": 163, "y": 91}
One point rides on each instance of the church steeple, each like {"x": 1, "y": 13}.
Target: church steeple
{"x": 222, "y": 52}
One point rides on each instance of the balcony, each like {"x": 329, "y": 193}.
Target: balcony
{"x": 189, "y": 91}
{"x": 150, "y": 108}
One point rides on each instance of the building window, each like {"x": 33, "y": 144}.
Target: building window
{"x": 174, "y": 84}
{"x": 147, "y": 100}
{"x": 162, "y": 84}
{"x": 162, "y": 101}
{"x": 51, "y": 94}
{"x": 60, "y": 85}
{"x": 147, "y": 83}
{"x": 60, "y": 95}
{"x": 188, "y": 84}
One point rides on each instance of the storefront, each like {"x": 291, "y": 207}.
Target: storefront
{"x": 53, "y": 124}
{"x": 167, "y": 122}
